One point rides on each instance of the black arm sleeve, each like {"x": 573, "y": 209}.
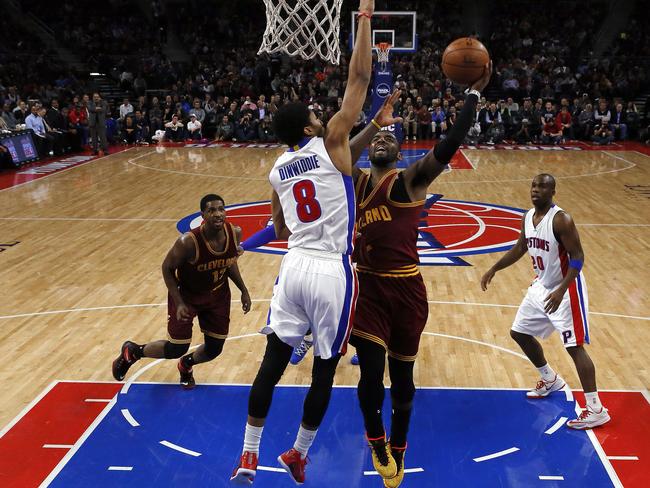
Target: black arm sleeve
{"x": 445, "y": 150}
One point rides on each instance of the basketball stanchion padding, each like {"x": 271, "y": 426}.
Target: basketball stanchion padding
{"x": 304, "y": 28}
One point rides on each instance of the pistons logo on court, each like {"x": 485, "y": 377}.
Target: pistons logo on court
{"x": 449, "y": 228}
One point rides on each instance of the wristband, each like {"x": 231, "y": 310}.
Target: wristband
{"x": 471, "y": 91}
{"x": 374, "y": 122}
{"x": 364, "y": 14}
{"x": 575, "y": 264}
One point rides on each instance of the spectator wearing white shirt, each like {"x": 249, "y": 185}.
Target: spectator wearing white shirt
{"x": 194, "y": 127}
{"x": 125, "y": 109}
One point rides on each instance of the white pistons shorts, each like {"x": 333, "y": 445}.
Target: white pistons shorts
{"x": 570, "y": 319}
{"x": 318, "y": 291}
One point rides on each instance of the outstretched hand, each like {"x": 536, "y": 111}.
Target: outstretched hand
{"x": 483, "y": 81}
{"x": 384, "y": 115}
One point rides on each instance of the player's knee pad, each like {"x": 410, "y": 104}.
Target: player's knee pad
{"x": 174, "y": 351}
{"x": 213, "y": 346}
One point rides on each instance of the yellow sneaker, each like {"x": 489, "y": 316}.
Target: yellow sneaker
{"x": 398, "y": 455}
{"x": 382, "y": 459}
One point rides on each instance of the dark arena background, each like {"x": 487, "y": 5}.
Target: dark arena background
{"x": 118, "y": 116}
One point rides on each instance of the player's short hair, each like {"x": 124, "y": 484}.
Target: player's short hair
{"x": 549, "y": 177}
{"x": 210, "y": 198}
{"x": 290, "y": 121}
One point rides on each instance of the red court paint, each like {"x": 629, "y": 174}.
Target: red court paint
{"x": 60, "y": 417}
{"x": 627, "y": 434}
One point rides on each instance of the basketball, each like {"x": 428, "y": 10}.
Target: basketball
{"x": 464, "y": 60}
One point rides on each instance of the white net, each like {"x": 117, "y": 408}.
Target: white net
{"x": 383, "y": 51}
{"x": 305, "y": 28}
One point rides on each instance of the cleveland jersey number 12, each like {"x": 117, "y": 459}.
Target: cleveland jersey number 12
{"x": 307, "y": 207}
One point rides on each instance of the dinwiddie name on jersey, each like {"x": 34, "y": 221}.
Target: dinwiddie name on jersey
{"x": 299, "y": 167}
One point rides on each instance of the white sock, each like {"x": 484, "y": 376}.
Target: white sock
{"x": 304, "y": 440}
{"x": 252, "y": 438}
{"x": 593, "y": 402}
{"x": 547, "y": 373}
{"x": 309, "y": 338}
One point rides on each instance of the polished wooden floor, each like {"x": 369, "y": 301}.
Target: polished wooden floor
{"x": 86, "y": 274}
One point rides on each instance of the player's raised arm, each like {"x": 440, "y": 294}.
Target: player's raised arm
{"x": 511, "y": 257}
{"x": 359, "y": 74}
{"x": 420, "y": 175}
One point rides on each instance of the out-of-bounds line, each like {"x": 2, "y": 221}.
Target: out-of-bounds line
{"x": 556, "y": 426}
{"x": 129, "y": 418}
{"x": 623, "y": 458}
{"x": 407, "y": 470}
{"x": 120, "y": 468}
{"x": 551, "y": 478}
{"x": 58, "y": 446}
{"x": 77, "y": 445}
{"x": 97, "y": 400}
{"x": 496, "y": 455}
{"x": 178, "y": 448}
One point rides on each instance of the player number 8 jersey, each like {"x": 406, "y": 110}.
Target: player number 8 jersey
{"x": 317, "y": 199}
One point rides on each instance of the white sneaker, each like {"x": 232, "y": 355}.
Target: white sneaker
{"x": 589, "y": 419}
{"x": 543, "y": 388}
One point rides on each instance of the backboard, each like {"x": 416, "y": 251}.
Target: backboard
{"x": 399, "y": 29}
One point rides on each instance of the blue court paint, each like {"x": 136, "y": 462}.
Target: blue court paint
{"x": 449, "y": 429}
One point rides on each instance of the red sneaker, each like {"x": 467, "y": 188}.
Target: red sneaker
{"x": 244, "y": 473}
{"x": 293, "y": 462}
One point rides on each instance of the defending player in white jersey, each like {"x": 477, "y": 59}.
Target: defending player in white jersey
{"x": 313, "y": 206}
{"x": 556, "y": 300}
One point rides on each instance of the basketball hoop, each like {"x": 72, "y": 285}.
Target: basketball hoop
{"x": 305, "y": 28}
{"x": 383, "y": 50}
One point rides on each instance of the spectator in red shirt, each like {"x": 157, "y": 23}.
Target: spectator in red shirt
{"x": 78, "y": 118}
{"x": 565, "y": 122}
{"x": 551, "y": 131}
{"x": 424, "y": 122}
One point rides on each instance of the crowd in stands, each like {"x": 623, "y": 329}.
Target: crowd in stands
{"x": 544, "y": 90}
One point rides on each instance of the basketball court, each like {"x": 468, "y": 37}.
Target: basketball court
{"x": 81, "y": 246}
{"x": 81, "y": 273}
